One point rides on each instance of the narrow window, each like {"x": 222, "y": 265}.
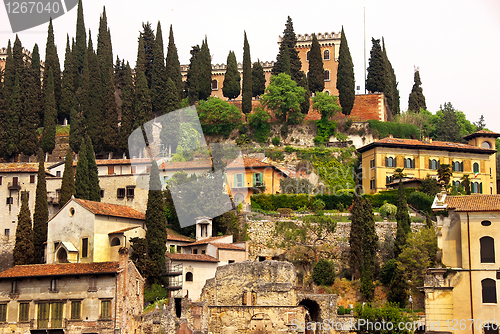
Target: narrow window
{"x": 15, "y": 181}
{"x": 1, "y": 180}
{"x": 106, "y": 309}
{"x": 111, "y": 170}
{"x": 92, "y": 284}
{"x": 10, "y": 200}
{"x": 258, "y": 180}
{"x": 7, "y": 232}
{"x": 372, "y": 184}
{"x": 326, "y": 55}
{"x": 53, "y": 285}
{"x": 120, "y": 192}
{"x": 489, "y": 290}
{"x": 204, "y": 230}
{"x": 58, "y": 173}
{"x": 24, "y": 312}
{"x": 14, "y": 287}
{"x": 476, "y": 167}
{"x": 307, "y": 55}
{"x": 85, "y": 247}
{"x": 3, "y": 312}
{"x": 238, "y": 180}
{"x": 130, "y": 191}
{"x": 327, "y": 75}
{"x": 32, "y": 178}
{"x": 76, "y": 309}
{"x": 487, "y": 245}
{"x": 215, "y": 85}
{"x": 189, "y": 276}
{"x": 372, "y": 163}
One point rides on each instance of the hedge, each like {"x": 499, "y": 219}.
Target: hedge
{"x": 391, "y": 196}
{"x": 398, "y": 130}
{"x": 296, "y": 201}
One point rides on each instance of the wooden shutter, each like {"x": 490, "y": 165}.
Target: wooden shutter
{"x": 43, "y": 315}
{"x": 57, "y": 315}
{"x": 255, "y": 179}
{"x": 76, "y": 307}
{"x": 3, "y": 312}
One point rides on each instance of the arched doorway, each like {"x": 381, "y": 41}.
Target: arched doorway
{"x": 313, "y": 310}
{"x": 62, "y": 256}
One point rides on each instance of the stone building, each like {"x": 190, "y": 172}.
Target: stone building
{"x": 467, "y": 287}
{"x": 72, "y": 298}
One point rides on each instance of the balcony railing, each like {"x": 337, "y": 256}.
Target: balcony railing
{"x": 14, "y": 186}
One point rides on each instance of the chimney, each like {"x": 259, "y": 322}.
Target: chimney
{"x": 430, "y": 140}
{"x": 390, "y": 136}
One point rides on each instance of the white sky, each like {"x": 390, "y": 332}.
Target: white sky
{"x": 454, "y": 43}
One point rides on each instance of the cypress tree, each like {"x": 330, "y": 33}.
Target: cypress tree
{"x": 68, "y": 82}
{"x": 403, "y": 220}
{"x": 170, "y": 126}
{"x": 82, "y": 173}
{"x": 345, "y": 76}
{"x": 370, "y": 244}
{"x": 246, "y": 103}
{"x": 35, "y": 67}
{"x": 119, "y": 74}
{"x": 171, "y": 98}
{"x": 398, "y": 291}
{"x": 12, "y": 134}
{"x": 40, "y": 216}
{"x": 3, "y": 115}
{"x": 376, "y": 78}
{"x": 356, "y": 237}
{"x": 156, "y": 233}
{"x": 50, "y": 115}
{"x": 305, "y": 104}
{"x": 159, "y": 76}
{"x": 23, "y": 249}
{"x": 288, "y": 43}
{"x": 80, "y": 44}
{"x": 417, "y": 98}
{"x": 109, "y": 117}
{"x": 258, "y": 79}
{"x": 68, "y": 180}
{"x": 316, "y": 79}
{"x": 193, "y": 75}
{"x": 391, "y": 88}
{"x": 52, "y": 62}
{"x": 93, "y": 175}
{"x": 142, "y": 104}
{"x": 205, "y": 71}
{"x": 231, "y": 86}
{"x": 140, "y": 64}
{"x": 17, "y": 55}
{"x": 148, "y": 36}
{"x": 77, "y": 128}
{"x": 128, "y": 120}
{"x": 9, "y": 73}
{"x": 286, "y": 62}
{"x": 28, "y": 120}
{"x": 173, "y": 66}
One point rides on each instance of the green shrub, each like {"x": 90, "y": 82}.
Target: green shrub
{"x": 399, "y": 130}
{"x": 284, "y": 131}
{"x": 318, "y": 205}
{"x": 275, "y": 154}
{"x": 259, "y": 122}
{"x": 388, "y": 209}
{"x": 289, "y": 149}
{"x": 325, "y": 129}
{"x": 420, "y": 201}
{"x": 341, "y": 310}
{"x": 276, "y": 141}
{"x": 387, "y": 272}
{"x": 155, "y": 292}
{"x": 324, "y": 272}
{"x": 218, "y": 117}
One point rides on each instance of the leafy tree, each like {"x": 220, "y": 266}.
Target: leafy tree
{"x": 24, "y": 250}
{"x": 81, "y": 43}
{"x": 370, "y": 240}
{"x": 246, "y": 104}
{"x": 316, "y": 72}
{"x": 386, "y": 314}
{"x": 448, "y": 128}
{"x": 345, "y": 76}
{"x": 324, "y": 272}
{"x": 480, "y": 125}
{"x": 93, "y": 178}
{"x": 218, "y": 116}
{"x": 258, "y": 79}
{"x": 376, "y": 78}
{"x": 52, "y": 62}
{"x": 159, "y": 75}
{"x": 193, "y": 75}
{"x": 391, "y": 91}
{"x": 416, "y": 101}
{"x": 287, "y": 46}
{"x": 50, "y": 111}
{"x": 444, "y": 174}
{"x": 156, "y": 233}
{"x": 128, "y": 117}
{"x": 231, "y": 87}
{"x": 403, "y": 220}
{"x": 173, "y": 66}
{"x": 283, "y": 96}
{"x": 68, "y": 180}
{"x": 356, "y": 237}
{"x": 82, "y": 186}
{"x": 259, "y": 122}
{"x": 148, "y": 37}
{"x": 466, "y": 183}
{"x": 41, "y": 214}
{"x": 326, "y": 104}
{"x": 430, "y": 186}
{"x": 205, "y": 71}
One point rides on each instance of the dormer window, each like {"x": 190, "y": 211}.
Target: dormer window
{"x": 486, "y": 144}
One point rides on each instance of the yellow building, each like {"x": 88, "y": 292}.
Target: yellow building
{"x": 420, "y": 158}
{"x": 467, "y": 288}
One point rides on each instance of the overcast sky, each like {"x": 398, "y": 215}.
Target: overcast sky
{"x": 455, "y": 44}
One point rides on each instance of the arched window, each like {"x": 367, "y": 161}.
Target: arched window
{"x": 486, "y": 144}
{"x": 327, "y": 92}
{"x": 487, "y": 249}
{"x": 307, "y": 55}
{"x": 327, "y": 75}
{"x": 390, "y": 162}
{"x": 189, "y": 276}
{"x": 326, "y": 55}
{"x": 409, "y": 163}
{"x": 475, "y": 167}
{"x": 489, "y": 290}
{"x": 115, "y": 241}
{"x": 62, "y": 256}
{"x": 433, "y": 164}
{"x": 215, "y": 84}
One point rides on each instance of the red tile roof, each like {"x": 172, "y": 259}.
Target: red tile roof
{"x": 227, "y": 246}
{"x": 206, "y": 240}
{"x": 248, "y": 163}
{"x": 104, "y": 209}
{"x": 191, "y": 257}
{"x": 62, "y": 269}
{"x": 19, "y": 167}
{"x": 473, "y": 203}
{"x": 482, "y": 133}
{"x": 124, "y": 230}
{"x": 178, "y": 165}
{"x": 105, "y": 162}
{"x": 175, "y": 236}
{"x": 429, "y": 145}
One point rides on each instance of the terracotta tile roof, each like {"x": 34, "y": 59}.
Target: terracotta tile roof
{"x": 434, "y": 145}
{"x": 124, "y": 230}
{"x": 473, "y": 203}
{"x": 175, "y": 236}
{"x": 62, "y": 269}
{"x": 482, "y": 133}
{"x": 227, "y": 246}
{"x": 104, "y": 209}
{"x": 19, "y": 167}
{"x": 248, "y": 163}
{"x": 191, "y": 257}
{"x": 206, "y": 241}
{"x": 105, "y": 162}
{"x": 178, "y": 165}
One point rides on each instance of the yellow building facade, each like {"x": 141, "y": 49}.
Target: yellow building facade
{"x": 467, "y": 287}
{"x": 420, "y": 158}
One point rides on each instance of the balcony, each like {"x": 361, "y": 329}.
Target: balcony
{"x": 174, "y": 276}
{"x": 14, "y": 186}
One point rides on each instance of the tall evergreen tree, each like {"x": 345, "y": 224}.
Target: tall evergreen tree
{"x": 316, "y": 78}
{"x": 403, "y": 220}
{"x": 148, "y": 36}
{"x": 356, "y": 237}
{"x": 345, "y": 76}
{"x": 50, "y": 115}
{"x": 391, "y": 91}
{"x": 77, "y": 128}
{"x": 159, "y": 75}
{"x": 28, "y": 120}
{"x": 447, "y": 128}
{"x": 9, "y": 73}
{"x": 41, "y": 214}
{"x": 52, "y": 62}
{"x": 288, "y": 43}
{"x": 68, "y": 180}
{"x": 258, "y": 79}
{"x": 171, "y": 99}
{"x": 246, "y": 103}
{"x": 80, "y": 44}
{"x": 143, "y": 109}
{"x": 205, "y": 71}
{"x": 18, "y": 55}
{"x": 140, "y": 64}
{"x": 417, "y": 98}
{"x": 306, "y": 103}
{"x": 128, "y": 120}
{"x": 193, "y": 75}
{"x": 370, "y": 245}
{"x": 36, "y": 71}
{"x": 156, "y": 233}
{"x": 376, "y": 78}
{"x": 12, "y": 120}
{"x": 82, "y": 173}
{"x": 170, "y": 126}
{"x": 173, "y": 66}
{"x": 231, "y": 86}
{"x": 68, "y": 83}
{"x": 93, "y": 181}
{"x": 23, "y": 249}
{"x": 286, "y": 62}
{"x": 3, "y": 115}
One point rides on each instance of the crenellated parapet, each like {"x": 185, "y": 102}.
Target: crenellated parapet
{"x": 324, "y": 39}
{"x": 27, "y": 56}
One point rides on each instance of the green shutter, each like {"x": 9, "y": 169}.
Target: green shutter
{"x": 3, "y": 312}
{"x": 235, "y": 180}
{"x": 43, "y": 315}
{"x": 481, "y": 187}
{"x": 76, "y": 307}
{"x": 57, "y": 315}
{"x": 255, "y": 179}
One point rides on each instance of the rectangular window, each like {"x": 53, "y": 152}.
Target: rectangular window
{"x": 106, "y": 309}
{"x": 372, "y": 163}
{"x": 133, "y": 169}
{"x": 92, "y": 283}
{"x": 85, "y": 247}
{"x": 7, "y": 232}
{"x": 57, "y": 315}
{"x": 102, "y": 193}
{"x": 130, "y": 191}
{"x": 10, "y": 200}
{"x": 258, "y": 180}
{"x": 120, "y": 192}
{"x": 372, "y": 184}
{"x": 3, "y": 312}
{"x": 24, "y": 312}
{"x": 0, "y": 180}
{"x": 195, "y": 251}
{"x": 238, "y": 180}
{"x": 58, "y": 173}
{"x": 32, "y": 178}
{"x": 43, "y": 315}
{"x": 53, "y": 285}
{"x": 15, "y": 181}
{"x": 14, "y": 287}
{"x": 111, "y": 170}
{"x": 76, "y": 310}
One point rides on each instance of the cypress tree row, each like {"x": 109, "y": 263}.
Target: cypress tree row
{"x": 205, "y": 71}
{"x": 173, "y": 66}
{"x": 417, "y": 98}
{"x": 258, "y": 79}
{"x": 140, "y": 64}
{"x": 28, "y": 121}
{"x": 68, "y": 82}
{"x": 345, "y": 76}
{"x": 370, "y": 244}
{"x": 356, "y": 237}
{"x": 82, "y": 173}
{"x": 68, "y": 180}
{"x": 23, "y": 249}
{"x": 391, "y": 88}
{"x": 159, "y": 76}
{"x": 193, "y": 75}
{"x": 80, "y": 45}
{"x": 52, "y": 62}
{"x": 231, "y": 86}
{"x": 3, "y": 114}
{"x": 12, "y": 121}
{"x": 247, "y": 90}
{"x": 156, "y": 233}
{"x": 316, "y": 79}
{"x": 50, "y": 115}
{"x": 171, "y": 99}
{"x": 40, "y": 216}
{"x": 376, "y": 78}
{"x": 143, "y": 109}
{"x": 17, "y": 55}
{"x": 128, "y": 120}
{"x": 35, "y": 67}
{"x": 93, "y": 176}
{"x": 288, "y": 43}
{"x": 403, "y": 220}
{"x": 9, "y": 75}
{"x": 148, "y": 37}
